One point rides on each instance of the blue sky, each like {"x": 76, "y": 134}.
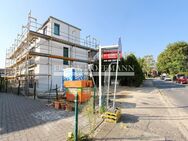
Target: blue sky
{"x": 145, "y": 26}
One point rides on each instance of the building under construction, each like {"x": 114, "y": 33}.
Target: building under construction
{"x": 41, "y": 52}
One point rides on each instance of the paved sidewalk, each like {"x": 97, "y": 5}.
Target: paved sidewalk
{"x": 24, "y": 119}
{"x": 145, "y": 116}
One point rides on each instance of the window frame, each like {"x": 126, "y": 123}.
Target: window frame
{"x": 56, "y": 25}
{"x": 65, "y": 62}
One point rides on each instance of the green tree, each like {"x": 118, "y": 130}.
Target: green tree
{"x": 174, "y": 58}
{"x": 135, "y": 80}
{"x": 141, "y": 62}
{"x": 148, "y": 64}
{"x": 138, "y": 77}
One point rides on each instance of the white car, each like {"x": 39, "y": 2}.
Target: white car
{"x": 167, "y": 78}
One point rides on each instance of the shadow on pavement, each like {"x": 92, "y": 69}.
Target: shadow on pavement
{"x": 132, "y": 139}
{"x": 127, "y": 118}
{"x": 127, "y": 105}
{"x": 177, "y": 107}
{"x": 123, "y": 96}
{"x": 163, "y": 118}
{"x": 147, "y": 90}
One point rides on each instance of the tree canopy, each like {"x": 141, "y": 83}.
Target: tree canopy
{"x": 173, "y": 59}
{"x": 138, "y": 77}
{"x": 147, "y": 63}
{"x": 128, "y": 60}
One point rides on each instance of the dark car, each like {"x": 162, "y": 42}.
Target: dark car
{"x": 178, "y": 76}
{"x": 182, "y": 80}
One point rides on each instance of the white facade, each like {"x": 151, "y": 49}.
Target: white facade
{"x": 54, "y": 67}
{"x": 46, "y": 71}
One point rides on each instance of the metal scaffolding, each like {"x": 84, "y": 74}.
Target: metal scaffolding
{"x": 20, "y": 57}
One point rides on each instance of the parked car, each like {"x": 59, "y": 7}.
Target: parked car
{"x": 167, "y": 78}
{"x": 177, "y": 76}
{"x": 162, "y": 76}
{"x": 174, "y": 78}
{"x": 182, "y": 79}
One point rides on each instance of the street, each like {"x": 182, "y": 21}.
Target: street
{"x": 177, "y": 93}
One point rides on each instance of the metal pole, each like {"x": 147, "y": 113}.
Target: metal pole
{"x": 100, "y": 79}
{"x": 6, "y": 83}
{"x": 35, "y": 90}
{"x": 0, "y": 83}
{"x": 76, "y": 119}
{"x": 94, "y": 99}
{"x": 115, "y": 87}
{"x": 56, "y": 92}
{"x": 107, "y": 104}
{"x": 19, "y": 87}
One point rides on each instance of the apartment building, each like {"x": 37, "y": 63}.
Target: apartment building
{"x": 41, "y": 52}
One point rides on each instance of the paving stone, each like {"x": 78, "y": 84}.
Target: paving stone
{"x": 25, "y": 119}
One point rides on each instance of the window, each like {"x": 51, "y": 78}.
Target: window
{"x": 31, "y": 78}
{"x": 65, "y": 54}
{"x": 56, "y": 29}
{"x": 45, "y": 31}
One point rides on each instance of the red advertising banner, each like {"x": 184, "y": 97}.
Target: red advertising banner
{"x": 111, "y": 54}
{"x": 110, "y": 51}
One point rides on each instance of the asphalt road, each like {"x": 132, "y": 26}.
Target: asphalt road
{"x": 177, "y": 93}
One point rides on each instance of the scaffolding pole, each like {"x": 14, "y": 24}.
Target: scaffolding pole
{"x": 23, "y": 50}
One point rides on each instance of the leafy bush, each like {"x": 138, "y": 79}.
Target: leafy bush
{"x": 138, "y": 77}
{"x": 135, "y": 80}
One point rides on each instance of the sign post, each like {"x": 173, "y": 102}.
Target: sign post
{"x": 108, "y": 53}
{"x": 108, "y": 90}
{"x": 76, "y": 118}
{"x": 100, "y": 77}
{"x": 117, "y": 66}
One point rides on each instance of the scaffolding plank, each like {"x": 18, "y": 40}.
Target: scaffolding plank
{"x": 58, "y": 57}
{"x": 37, "y": 34}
